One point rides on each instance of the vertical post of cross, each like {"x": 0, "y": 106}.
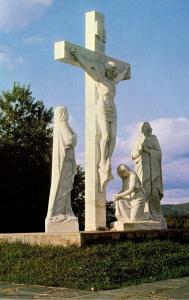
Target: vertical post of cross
{"x": 93, "y": 58}
{"x": 95, "y": 201}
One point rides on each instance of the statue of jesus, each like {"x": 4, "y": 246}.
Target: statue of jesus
{"x": 106, "y": 76}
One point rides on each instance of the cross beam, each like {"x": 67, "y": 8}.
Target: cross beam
{"x": 62, "y": 53}
{"x": 94, "y": 53}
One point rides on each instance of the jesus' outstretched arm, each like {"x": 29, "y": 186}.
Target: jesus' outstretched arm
{"x": 121, "y": 76}
{"x": 90, "y": 70}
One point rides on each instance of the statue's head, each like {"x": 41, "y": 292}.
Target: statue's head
{"x": 60, "y": 114}
{"x": 145, "y": 128}
{"x": 111, "y": 70}
{"x": 123, "y": 170}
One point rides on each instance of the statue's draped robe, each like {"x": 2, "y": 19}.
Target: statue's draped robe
{"x": 148, "y": 169}
{"x": 131, "y": 207}
{"x": 63, "y": 169}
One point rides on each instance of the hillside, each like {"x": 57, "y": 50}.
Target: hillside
{"x": 176, "y": 209}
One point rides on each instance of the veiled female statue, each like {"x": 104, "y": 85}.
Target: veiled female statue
{"x": 147, "y": 158}
{"x": 63, "y": 169}
{"x": 130, "y": 200}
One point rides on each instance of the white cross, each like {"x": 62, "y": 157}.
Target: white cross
{"x": 94, "y": 54}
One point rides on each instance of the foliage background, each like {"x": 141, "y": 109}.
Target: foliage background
{"x": 25, "y": 162}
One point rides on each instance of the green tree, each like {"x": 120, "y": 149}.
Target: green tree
{"x": 24, "y": 124}
{"x": 78, "y": 196}
{"x": 25, "y": 163}
{"x": 110, "y": 213}
{"x": 25, "y": 152}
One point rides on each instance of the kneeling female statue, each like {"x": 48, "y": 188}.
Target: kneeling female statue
{"x": 130, "y": 201}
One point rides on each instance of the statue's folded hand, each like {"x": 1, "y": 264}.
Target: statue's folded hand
{"x": 145, "y": 149}
{"x": 116, "y": 197}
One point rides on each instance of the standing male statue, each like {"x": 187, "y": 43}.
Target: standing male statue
{"x": 106, "y": 76}
{"x": 147, "y": 157}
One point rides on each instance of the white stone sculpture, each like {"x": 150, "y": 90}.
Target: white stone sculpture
{"x": 106, "y": 75}
{"x": 130, "y": 205}
{"x": 147, "y": 158}
{"x": 60, "y": 217}
{"x": 130, "y": 201}
{"x": 94, "y": 54}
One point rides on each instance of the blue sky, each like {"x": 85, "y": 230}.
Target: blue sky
{"x": 152, "y": 35}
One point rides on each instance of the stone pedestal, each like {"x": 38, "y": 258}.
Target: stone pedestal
{"x": 70, "y": 225}
{"x": 82, "y": 238}
{"x": 145, "y": 225}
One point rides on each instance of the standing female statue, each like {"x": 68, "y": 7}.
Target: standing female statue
{"x": 63, "y": 169}
{"x": 147, "y": 158}
{"x": 130, "y": 200}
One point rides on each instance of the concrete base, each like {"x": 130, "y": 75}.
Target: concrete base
{"x": 70, "y": 225}
{"x": 145, "y": 225}
{"x": 41, "y": 238}
{"x": 89, "y": 238}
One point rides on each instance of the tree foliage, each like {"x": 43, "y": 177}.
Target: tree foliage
{"x": 25, "y": 163}
{"x": 78, "y": 196}
{"x": 177, "y": 222}
{"x": 24, "y": 125}
{"x": 25, "y": 151}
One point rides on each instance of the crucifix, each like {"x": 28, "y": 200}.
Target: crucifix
{"x": 102, "y": 73}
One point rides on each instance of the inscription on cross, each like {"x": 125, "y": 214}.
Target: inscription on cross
{"x": 102, "y": 75}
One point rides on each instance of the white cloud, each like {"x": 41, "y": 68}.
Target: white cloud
{"x": 7, "y": 61}
{"x": 80, "y": 159}
{"x": 34, "y": 39}
{"x": 173, "y": 135}
{"x": 16, "y": 14}
{"x": 176, "y": 173}
{"x": 174, "y": 196}
{"x": 123, "y": 148}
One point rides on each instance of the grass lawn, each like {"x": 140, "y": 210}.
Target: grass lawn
{"x": 105, "y": 266}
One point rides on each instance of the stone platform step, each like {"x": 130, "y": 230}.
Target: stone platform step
{"x": 87, "y": 238}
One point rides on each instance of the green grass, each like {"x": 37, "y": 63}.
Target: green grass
{"x": 101, "y": 266}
